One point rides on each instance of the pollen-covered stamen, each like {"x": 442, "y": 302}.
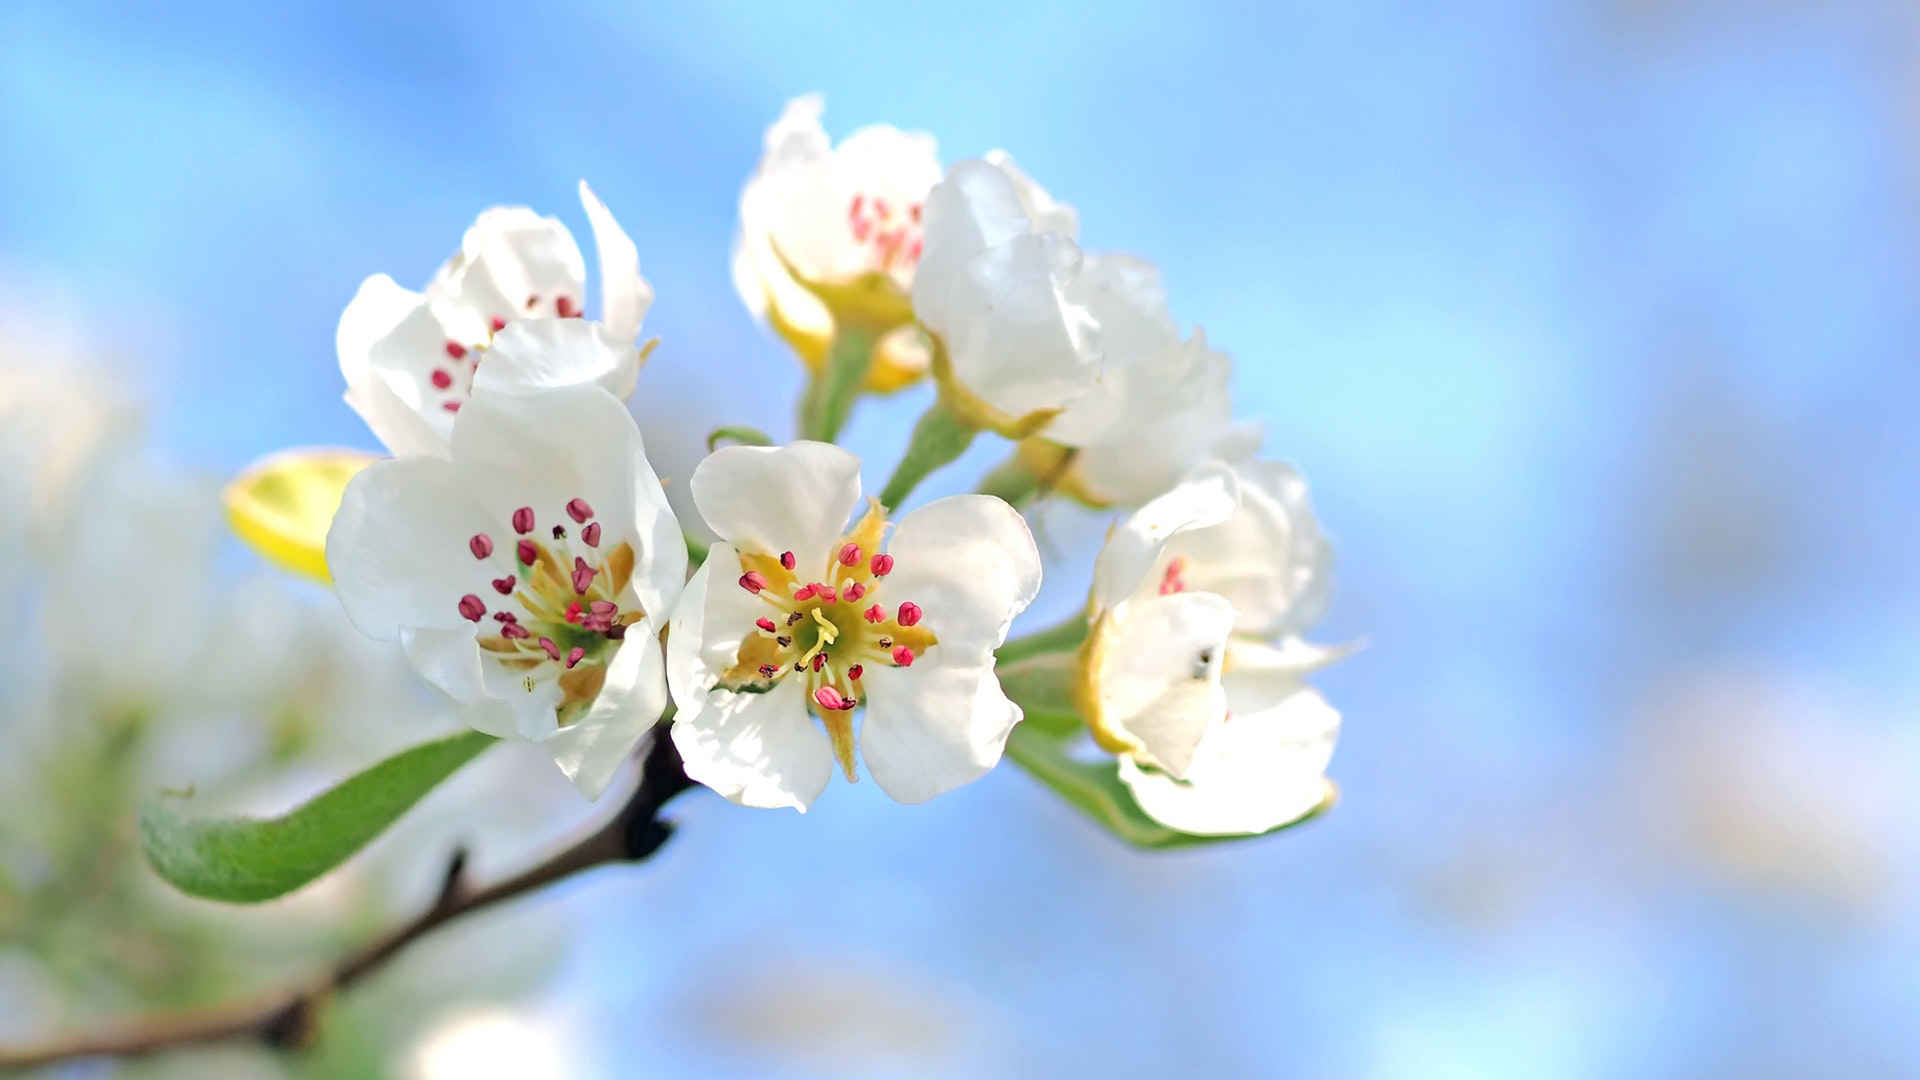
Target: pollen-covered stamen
{"x": 569, "y": 621}
{"x": 1171, "y": 580}
{"x": 850, "y": 555}
{"x": 891, "y": 232}
{"x": 875, "y": 614}
{"x": 881, "y": 565}
{"x": 766, "y": 624}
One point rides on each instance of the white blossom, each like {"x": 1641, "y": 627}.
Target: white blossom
{"x": 412, "y": 359}
{"x": 529, "y": 574}
{"x": 1193, "y": 670}
{"x": 795, "y": 620}
{"x": 834, "y": 215}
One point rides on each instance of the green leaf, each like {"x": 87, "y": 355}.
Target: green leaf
{"x": 1096, "y": 790}
{"x": 246, "y": 860}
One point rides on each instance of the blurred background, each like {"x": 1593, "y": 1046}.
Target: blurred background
{"x": 1590, "y": 323}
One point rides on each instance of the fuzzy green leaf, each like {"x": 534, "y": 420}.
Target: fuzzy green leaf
{"x": 247, "y": 860}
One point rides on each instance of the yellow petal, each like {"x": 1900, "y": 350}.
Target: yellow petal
{"x": 283, "y": 505}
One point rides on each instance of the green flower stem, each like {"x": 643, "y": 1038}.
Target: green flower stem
{"x": 696, "y": 552}
{"x": 1013, "y": 481}
{"x": 1060, "y": 638}
{"x": 831, "y": 393}
{"x": 739, "y": 435}
{"x": 938, "y": 438}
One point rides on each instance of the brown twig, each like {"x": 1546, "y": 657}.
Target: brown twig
{"x": 288, "y": 1018}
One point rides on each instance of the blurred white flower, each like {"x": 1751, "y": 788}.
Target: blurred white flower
{"x": 1759, "y": 780}
{"x": 820, "y": 621}
{"x": 412, "y": 359}
{"x": 835, "y": 216}
{"x": 493, "y": 1044}
{"x": 998, "y": 284}
{"x": 1193, "y": 665}
{"x": 530, "y": 575}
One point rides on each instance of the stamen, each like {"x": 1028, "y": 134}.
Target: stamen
{"x": 574, "y": 612}
{"x": 472, "y": 608}
{"x": 582, "y": 575}
{"x": 575, "y": 656}
{"x": 455, "y": 350}
{"x": 617, "y": 631}
{"x": 603, "y": 607}
{"x": 768, "y": 671}
{"x": 514, "y": 632}
{"x": 504, "y": 585}
{"x": 532, "y": 299}
{"x": 824, "y": 592}
{"x": 528, "y": 551}
{"x": 505, "y": 617}
{"x": 875, "y": 614}
{"x": 854, "y": 591}
{"x": 564, "y": 306}
{"x": 559, "y": 532}
{"x": 855, "y": 672}
{"x": 850, "y": 555}
{"x": 881, "y": 564}
{"x": 831, "y": 699}
{"x": 592, "y": 535}
{"x": 795, "y": 617}
{"x": 903, "y": 656}
{"x": 783, "y": 641}
{"x": 804, "y": 592}
{"x": 909, "y": 614}
{"x": 579, "y": 511}
{"x": 819, "y": 660}
{"x": 450, "y": 406}
{"x": 441, "y": 378}
{"x": 753, "y": 581}
{"x": 481, "y": 545}
{"x": 552, "y": 650}
{"x": 497, "y": 323}
{"x": 885, "y": 643}
{"x": 523, "y": 520}
{"x": 766, "y": 624}
{"x": 786, "y": 560}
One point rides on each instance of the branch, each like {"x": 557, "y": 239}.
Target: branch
{"x": 288, "y": 1018}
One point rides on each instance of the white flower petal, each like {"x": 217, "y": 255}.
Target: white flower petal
{"x": 970, "y": 562}
{"x": 1158, "y": 673}
{"x": 376, "y": 308}
{"x": 761, "y": 750}
{"x": 625, "y": 296}
{"x": 769, "y": 499}
{"x": 1127, "y": 563}
{"x": 513, "y": 264}
{"x": 1269, "y": 558}
{"x": 450, "y": 660}
{"x": 936, "y": 725}
{"x": 1048, "y": 213}
{"x": 396, "y": 544}
{"x": 397, "y": 397}
{"x": 544, "y": 354}
{"x": 1260, "y": 770}
{"x": 591, "y": 749}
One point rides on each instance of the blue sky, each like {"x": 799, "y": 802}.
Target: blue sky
{"x": 1589, "y": 322}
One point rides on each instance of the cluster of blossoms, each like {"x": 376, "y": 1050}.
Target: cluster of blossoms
{"x": 520, "y": 549}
